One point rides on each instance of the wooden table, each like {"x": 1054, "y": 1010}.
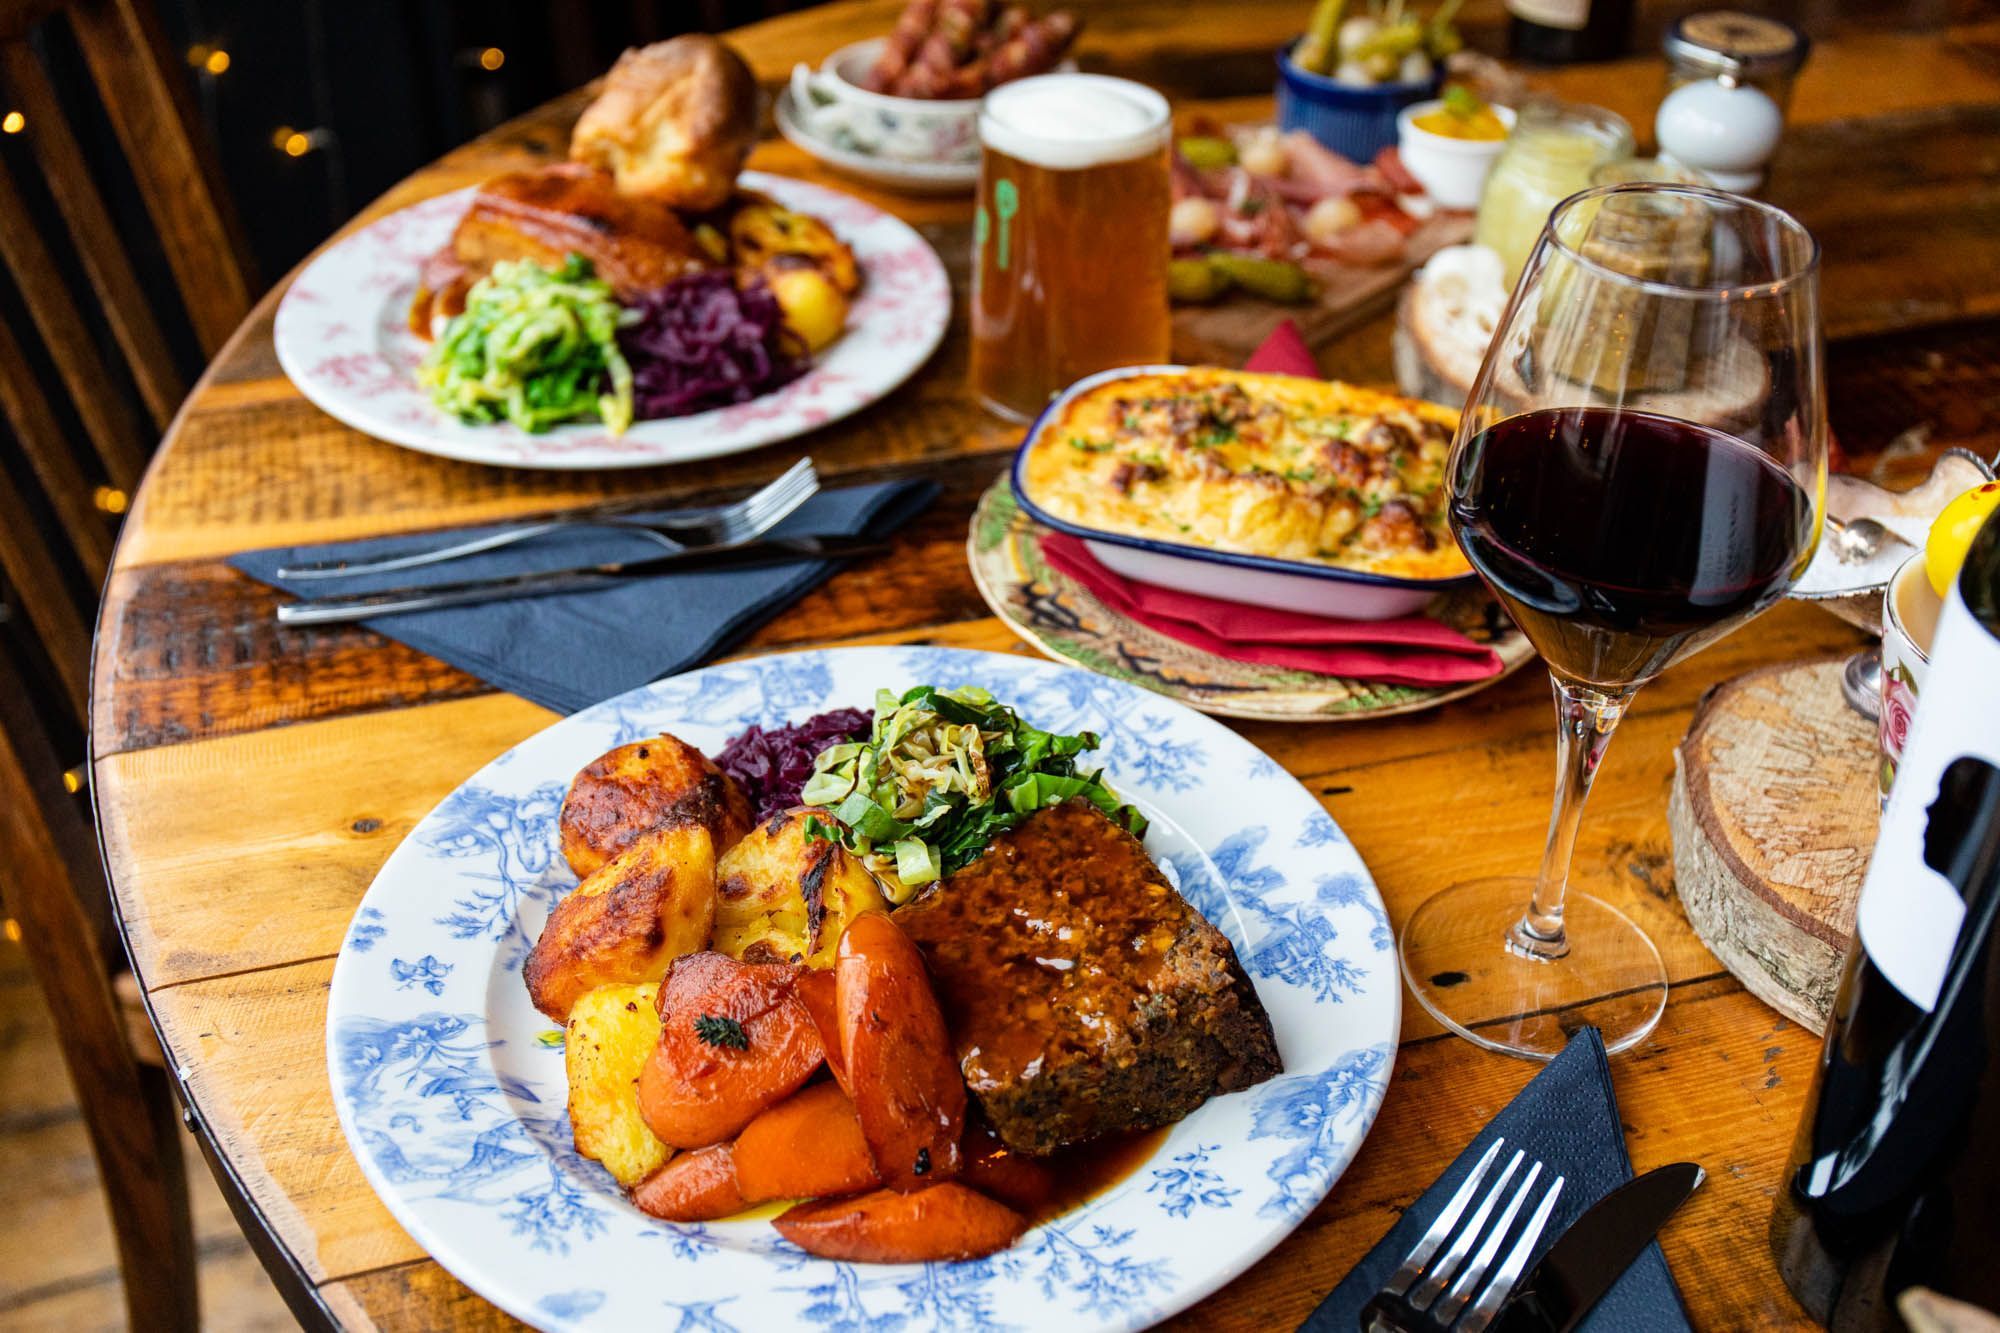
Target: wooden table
{"x": 249, "y": 781}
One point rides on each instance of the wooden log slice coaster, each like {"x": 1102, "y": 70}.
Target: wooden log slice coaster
{"x": 1774, "y": 814}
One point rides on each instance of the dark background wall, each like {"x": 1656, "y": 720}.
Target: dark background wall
{"x": 379, "y": 87}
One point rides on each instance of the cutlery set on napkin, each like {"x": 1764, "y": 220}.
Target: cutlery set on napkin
{"x": 1537, "y": 1227}
{"x": 586, "y": 606}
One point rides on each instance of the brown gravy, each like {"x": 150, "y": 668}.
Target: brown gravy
{"x": 1085, "y": 1170}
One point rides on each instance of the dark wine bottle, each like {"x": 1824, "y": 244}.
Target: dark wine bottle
{"x": 1565, "y": 32}
{"x": 1892, "y": 1192}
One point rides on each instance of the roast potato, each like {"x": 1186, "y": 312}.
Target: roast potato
{"x": 612, "y": 1030}
{"x": 781, "y": 897}
{"x": 761, "y": 232}
{"x": 813, "y": 307}
{"x": 644, "y": 786}
{"x": 628, "y": 921}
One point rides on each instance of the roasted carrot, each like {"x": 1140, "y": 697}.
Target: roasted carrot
{"x": 693, "y": 1187}
{"x": 907, "y": 1088}
{"x": 808, "y": 1146}
{"x": 946, "y": 1221}
{"x": 816, "y": 989}
{"x": 735, "y": 1039}
{"x": 692, "y": 975}
{"x": 1019, "y": 1182}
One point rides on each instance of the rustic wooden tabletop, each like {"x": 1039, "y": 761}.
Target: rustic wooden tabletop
{"x": 250, "y": 780}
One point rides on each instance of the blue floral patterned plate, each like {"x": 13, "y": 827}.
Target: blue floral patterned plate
{"x": 451, "y": 1090}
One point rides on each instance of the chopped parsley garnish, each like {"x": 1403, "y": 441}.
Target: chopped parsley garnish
{"x": 1082, "y": 445}
{"x": 1304, "y": 474}
{"x": 718, "y": 1031}
{"x": 1372, "y": 506}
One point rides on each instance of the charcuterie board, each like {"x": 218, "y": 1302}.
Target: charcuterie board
{"x": 1225, "y": 333}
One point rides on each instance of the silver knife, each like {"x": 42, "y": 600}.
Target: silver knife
{"x": 1596, "y": 1250}
{"x": 581, "y": 578}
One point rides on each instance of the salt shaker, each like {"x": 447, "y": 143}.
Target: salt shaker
{"x": 1729, "y": 79}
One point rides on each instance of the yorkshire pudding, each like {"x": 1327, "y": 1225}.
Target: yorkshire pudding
{"x": 675, "y": 120}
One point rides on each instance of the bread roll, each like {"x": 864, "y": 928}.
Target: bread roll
{"x": 675, "y": 120}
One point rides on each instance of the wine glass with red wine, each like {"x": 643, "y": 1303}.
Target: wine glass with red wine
{"x": 1639, "y": 470}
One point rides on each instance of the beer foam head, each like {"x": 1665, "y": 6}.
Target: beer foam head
{"x": 1069, "y": 121}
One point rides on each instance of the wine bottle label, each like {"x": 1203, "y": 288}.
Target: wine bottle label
{"x": 1570, "y": 14}
{"x": 1909, "y": 915}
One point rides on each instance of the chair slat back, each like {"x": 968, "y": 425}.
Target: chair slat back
{"x": 52, "y": 612}
{"x": 55, "y": 466}
{"x": 107, "y": 417}
{"x": 152, "y": 112}
{"x": 102, "y": 254}
{"x": 88, "y": 380}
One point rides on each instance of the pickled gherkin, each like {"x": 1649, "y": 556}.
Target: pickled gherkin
{"x": 1272, "y": 279}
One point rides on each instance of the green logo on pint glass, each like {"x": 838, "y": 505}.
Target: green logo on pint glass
{"x": 1006, "y": 203}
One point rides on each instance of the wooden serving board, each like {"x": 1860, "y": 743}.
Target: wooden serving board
{"x": 1224, "y": 334}
{"x": 1774, "y": 812}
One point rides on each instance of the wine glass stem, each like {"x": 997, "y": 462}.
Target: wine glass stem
{"x": 1585, "y": 718}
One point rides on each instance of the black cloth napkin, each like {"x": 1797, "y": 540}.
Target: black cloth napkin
{"x": 1568, "y": 1117}
{"x": 572, "y": 650}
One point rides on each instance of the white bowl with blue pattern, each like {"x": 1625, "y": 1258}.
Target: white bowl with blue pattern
{"x": 450, "y": 1085}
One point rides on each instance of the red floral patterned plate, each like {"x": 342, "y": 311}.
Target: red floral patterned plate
{"x": 343, "y": 338}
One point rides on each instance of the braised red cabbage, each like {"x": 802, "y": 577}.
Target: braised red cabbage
{"x": 771, "y": 766}
{"x": 701, "y": 342}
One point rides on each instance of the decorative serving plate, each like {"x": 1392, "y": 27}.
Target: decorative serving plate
{"x": 1068, "y": 622}
{"x": 343, "y": 337}
{"x": 889, "y": 173}
{"x": 450, "y": 1086}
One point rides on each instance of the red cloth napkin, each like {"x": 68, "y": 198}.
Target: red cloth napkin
{"x": 1414, "y": 650}
{"x": 1284, "y": 352}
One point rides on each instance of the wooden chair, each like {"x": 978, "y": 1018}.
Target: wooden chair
{"x": 79, "y": 443}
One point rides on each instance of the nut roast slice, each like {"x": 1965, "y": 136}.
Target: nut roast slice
{"x": 1084, "y": 994}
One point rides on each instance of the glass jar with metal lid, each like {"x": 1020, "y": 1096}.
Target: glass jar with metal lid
{"x": 1731, "y": 45}
{"x": 1549, "y": 157}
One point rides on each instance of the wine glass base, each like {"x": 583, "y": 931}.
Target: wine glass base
{"x": 1459, "y": 961}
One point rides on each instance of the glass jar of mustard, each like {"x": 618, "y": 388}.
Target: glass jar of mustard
{"x": 1549, "y": 157}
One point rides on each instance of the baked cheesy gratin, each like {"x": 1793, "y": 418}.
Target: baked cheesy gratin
{"x": 1269, "y": 465}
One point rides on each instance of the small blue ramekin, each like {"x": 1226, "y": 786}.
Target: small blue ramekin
{"x": 1355, "y": 122}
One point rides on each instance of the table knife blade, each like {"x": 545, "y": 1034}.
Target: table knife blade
{"x": 1596, "y": 1250}
{"x": 579, "y": 578}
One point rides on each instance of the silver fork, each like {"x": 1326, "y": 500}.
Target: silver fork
{"x": 1416, "y": 1299}
{"x": 722, "y": 525}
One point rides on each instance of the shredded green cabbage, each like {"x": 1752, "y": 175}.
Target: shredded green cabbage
{"x": 942, "y": 773}
{"x": 536, "y": 347}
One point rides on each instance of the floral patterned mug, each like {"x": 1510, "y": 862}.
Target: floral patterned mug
{"x": 1910, "y": 609}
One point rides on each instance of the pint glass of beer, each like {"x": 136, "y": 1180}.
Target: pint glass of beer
{"x": 1069, "y": 264}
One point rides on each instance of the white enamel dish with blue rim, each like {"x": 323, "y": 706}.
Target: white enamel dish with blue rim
{"x": 451, "y": 1091}
{"x": 1289, "y": 585}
